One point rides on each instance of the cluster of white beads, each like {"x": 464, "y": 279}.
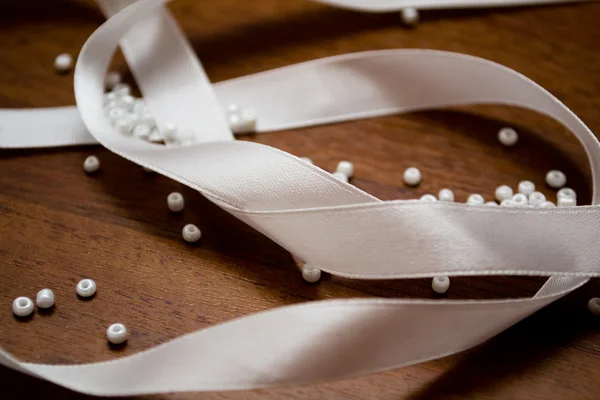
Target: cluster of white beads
{"x": 241, "y": 120}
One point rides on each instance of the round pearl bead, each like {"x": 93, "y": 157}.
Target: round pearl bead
{"x": 142, "y": 131}
{"x": 22, "y": 306}
{"x": 508, "y": 137}
{"x": 116, "y": 113}
{"x": 63, "y": 63}
{"x": 310, "y": 274}
{"x": 440, "y": 284}
{"x": 503, "y": 192}
{"x": 537, "y": 199}
{"x": 446, "y": 195}
{"x": 127, "y": 102}
{"x": 124, "y": 125}
{"x": 556, "y": 179}
{"x": 91, "y": 164}
{"x": 526, "y": 187}
{"x": 520, "y": 200}
{"x": 341, "y": 176}
{"x": 110, "y": 97}
{"x": 507, "y": 203}
{"x": 594, "y": 306}
{"x": 170, "y": 132}
{"x": 475, "y": 200}
{"x": 122, "y": 89}
{"x": 116, "y": 333}
{"x": 346, "y": 168}
{"x": 491, "y": 204}
{"x": 86, "y": 288}
{"x": 567, "y": 193}
{"x": 307, "y": 160}
{"x": 547, "y": 204}
{"x": 428, "y": 198}
{"x": 45, "y": 298}
{"x": 191, "y": 233}
{"x": 412, "y": 176}
{"x": 566, "y": 202}
{"x": 112, "y": 79}
{"x": 410, "y": 16}
{"x": 175, "y": 202}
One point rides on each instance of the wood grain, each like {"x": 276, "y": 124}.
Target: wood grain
{"x": 58, "y": 225}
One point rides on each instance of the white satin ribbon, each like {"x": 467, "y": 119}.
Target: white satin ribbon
{"x": 331, "y": 224}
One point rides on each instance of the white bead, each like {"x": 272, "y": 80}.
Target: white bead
{"x": 170, "y": 132}
{"x": 567, "y": 193}
{"x": 556, "y": 179}
{"x": 594, "y": 306}
{"x": 520, "y": 199}
{"x": 45, "y": 298}
{"x": 440, "y": 284}
{"x": 341, "y": 176}
{"x": 63, "y": 62}
{"x": 547, "y": 204}
{"x": 428, "y": 198}
{"x": 537, "y": 199}
{"x": 233, "y": 109}
{"x": 121, "y": 89}
{"x": 86, "y": 288}
{"x": 110, "y": 97}
{"x": 310, "y": 274}
{"x": 244, "y": 123}
{"x": 124, "y": 125}
{"x": 346, "y": 168}
{"x": 116, "y": 333}
{"x": 307, "y": 160}
{"x": 147, "y": 119}
{"x": 140, "y": 107}
{"x": 526, "y": 187}
{"x": 175, "y": 202}
{"x": 186, "y": 142}
{"x": 116, "y": 113}
{"x": 22, "y": 306}
{"x": 127, "y": 102}
{"x": 475, "y": 200}
{"x": 566, "y": 202}
{"x": 491, "y": 204}
{"x": 142, "y": 131}
{"x": 183, "y": 136}
{"x": 91, "y": 164}
{"x": 446, "y": 195}
{"x": 155, "y": 136}
{"x": 503, "y": 192}
{"x": 508, "y": 136}
{"x": 191, "y": 233}
{"x": 508, "y": 203}
{"x": 412, "y": 176}
{"x": 410, "y": 16}
{"x": 112, "y": 79}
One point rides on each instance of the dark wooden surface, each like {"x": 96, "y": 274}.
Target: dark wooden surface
{"x": 58, "y": 225}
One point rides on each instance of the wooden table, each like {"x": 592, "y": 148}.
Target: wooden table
{"x": 58, "y": 225}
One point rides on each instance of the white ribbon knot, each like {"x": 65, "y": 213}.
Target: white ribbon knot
{"x": 329, "y": 223}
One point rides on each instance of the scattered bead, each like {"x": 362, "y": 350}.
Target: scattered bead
{"x": 428, "y": 198}
{"x": 446, "y": 195}
{"x": 45, "y": 298}
{"x": 91, "y": 164}
{"x": 475, "y": 200}
{"x": 536, "y": 199}
{"x": 556, "y": 179}
{"x": 412, "y": 176}
{"x": 175, "y": 202}
{"x": 112, "y": 79}
{"x": 503, "y": 192}
{"x": 244, "y": 122}
{"x": 310, "y": 274}
{"x": 410, "y": 16}
{"x": 22, "y": 306}
{"x": 566, "y": 202}
{"x": 440, "y": 284}
{"x": 520, "y": 199}
{"x": 86, "y": 288}
{"x": 594, "y": 306}
{"x": 547, "y": 204}
{"x": 526, "y": 187}
{"x": 63, "y": 63}
{"x": 491, "y": 204}
{"x": 567, "y": 193}
{"x": 191, "y": 233}
{"x": 346, "y": 168}
{"x": 341, "y": 176}
{"x": 507, "y": 203}
{"x": 116, "y": 333}
{"x": 508, "y": 137}
{"x": 307, "y": 160}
